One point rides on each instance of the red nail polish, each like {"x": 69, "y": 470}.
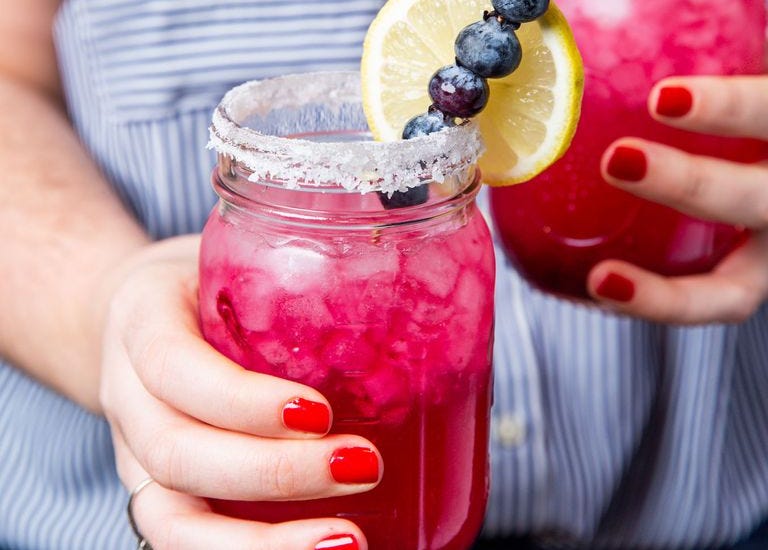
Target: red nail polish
{"x": 674, "y": 102}
{"x": 338, "y": 542}
{"x": 355, "y": 465}
{"x": 627, "y": 164}
{"x": 304, "y": 415}
{"x": 616, "y": 287}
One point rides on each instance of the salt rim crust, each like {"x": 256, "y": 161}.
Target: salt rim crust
{"x": 361, "y": 166}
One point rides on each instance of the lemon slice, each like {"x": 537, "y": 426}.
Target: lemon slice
{"x": 531, "y": 115}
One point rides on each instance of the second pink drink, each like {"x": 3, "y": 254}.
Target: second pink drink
{"x": 559, "y": 225}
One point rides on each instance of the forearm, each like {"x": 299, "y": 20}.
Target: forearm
{"x": 63, "y": 234}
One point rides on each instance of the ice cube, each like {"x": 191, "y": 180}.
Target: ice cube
{"x": 296, "y": 268}
{"x": 374, "y": 260}
{"x": 607, "y": 12}
{"x": 471, "y": 297}
{"x": 374, "y": 300}
{"x": 433, "y": 267}
{"x": 347, "y": 349}
{"x": 305, "y": 311}
{"x": 429, "y": 313}
{"x": 273, "y": 352}
{"x": 385, "y": 394}
{"x": 254, "y": 295}
{"x": 470, "y": 325}
{"x": 305, "y": 367}
{"x": 302, "y": 320}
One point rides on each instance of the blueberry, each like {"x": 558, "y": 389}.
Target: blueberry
{"x": 458, "y": 92}
{"x": 401, "y": 199}
{"x": 425, "y": 124}
{"x": 420, "y": 125}
{"x": 520, "y": 10}
{"x": 488, "y": 48}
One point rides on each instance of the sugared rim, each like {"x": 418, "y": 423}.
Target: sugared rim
{"x": 362, "y": 166}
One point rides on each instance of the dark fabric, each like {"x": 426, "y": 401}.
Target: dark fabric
{"x": 758, "y": 540}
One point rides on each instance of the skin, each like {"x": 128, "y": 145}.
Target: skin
{"x": 96, "y": 311}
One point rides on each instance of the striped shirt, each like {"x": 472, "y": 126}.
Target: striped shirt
{"x": 607, "y": 431}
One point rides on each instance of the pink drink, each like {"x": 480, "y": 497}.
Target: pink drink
{"x": 389, "y": 314}
{"x": 556, "y": 227}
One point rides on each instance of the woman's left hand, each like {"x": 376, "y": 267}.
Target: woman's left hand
{"x": 703, "y": 187}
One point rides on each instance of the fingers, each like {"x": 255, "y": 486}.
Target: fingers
{"x": 700, "y": 186}
{"x": 733, "y": 106}
{"x": 192, "y": 457}
{"x": 730, "y": 294}
{"x": 156, "y": 316}
{"x": 174, "y": 521}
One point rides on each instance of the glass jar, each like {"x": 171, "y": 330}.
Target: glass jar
{"x": 559, "y": 225}
{"x": 387, "y": 312}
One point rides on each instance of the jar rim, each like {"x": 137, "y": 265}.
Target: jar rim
{"x": 361, "y": 166}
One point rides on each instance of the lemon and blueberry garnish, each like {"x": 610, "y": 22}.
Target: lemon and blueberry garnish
{"x": 428, "y": 64}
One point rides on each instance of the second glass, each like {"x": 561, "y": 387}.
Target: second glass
{"x": 559, "y": 225}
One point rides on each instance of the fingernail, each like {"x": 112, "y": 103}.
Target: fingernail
{"x": 355, "y": 465}
{"x": 338, "y": 542}
{"x": 674, "y": 102}
{"x": 304, "y": 415}
{"x": 627, "y": 164}
{"x": 616, "y": 287}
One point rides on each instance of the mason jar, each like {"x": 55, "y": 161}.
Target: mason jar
{"x": 305, "y": 275}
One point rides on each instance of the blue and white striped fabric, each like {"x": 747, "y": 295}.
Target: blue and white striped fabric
{"x": 608, "y": 431}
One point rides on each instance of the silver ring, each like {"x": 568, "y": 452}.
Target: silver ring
{"x": 143, "y": 544}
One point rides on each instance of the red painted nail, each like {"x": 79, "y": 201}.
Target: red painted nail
{"x": 616, "y": 287}
{"x": 674, "y": 102}
{"x": 627, "y": 164}
{"x": 338, "y": 542}
{"x": 304, "y": 415}
{"x": 355, "y": 465}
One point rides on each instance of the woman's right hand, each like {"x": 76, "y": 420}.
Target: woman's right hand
{"x": 201, "y": 426}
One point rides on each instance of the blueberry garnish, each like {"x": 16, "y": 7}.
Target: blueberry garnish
{"x": 486, "y": 49}
{"x": 421, "y": 125}
{"x": 489, "y": 48}
{"x": 458, "y": 92}
{"x": 427, "y": 123}
{"x": 521, "y": 11}
{"x": 401, "y": 199}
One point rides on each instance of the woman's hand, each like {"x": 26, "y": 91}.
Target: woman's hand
{"x": 201, "y": 426}
{"x": 704, "y": 187}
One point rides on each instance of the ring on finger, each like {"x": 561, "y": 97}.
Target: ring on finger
{"x": 143, "y": 543}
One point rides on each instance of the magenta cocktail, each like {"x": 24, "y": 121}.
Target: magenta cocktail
{"x": 559, "y": 225}
{"x": 388, "y": 313}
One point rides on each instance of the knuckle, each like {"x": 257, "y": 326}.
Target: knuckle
{"x": 762, "y": 211}
{"x": 743, "y": 305}
{"x": 271, "y": 540}
{"x": 694, "y": 185}
{"x": 153, "y": 357}
{"x": 236, "y": 400}
{"x": 286, "y": 482}
{"x": 678, "y": 306}
{"x": 280, "y": 478}
{"x": 123, "y": 308}
{"x": 169, "y": 536}
{"x": 732, "y": 104}
{"x": 164, "y": 461}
